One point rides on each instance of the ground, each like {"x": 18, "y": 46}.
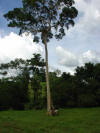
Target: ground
{"x": 83, "y": 120}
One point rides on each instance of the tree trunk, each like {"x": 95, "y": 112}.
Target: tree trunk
{"x": 47, "y": 81}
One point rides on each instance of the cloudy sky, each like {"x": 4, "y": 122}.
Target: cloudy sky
{"x": 80, "y": 45}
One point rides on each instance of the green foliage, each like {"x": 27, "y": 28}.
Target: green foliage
{"x": 43, "y": 17}
{"x": 27, "y": 89}
{"x": 80, "y": 90}
{"x": 12, "y": 95}
{"x": 22, "y": 88}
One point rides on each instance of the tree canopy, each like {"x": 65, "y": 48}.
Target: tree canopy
{"x": 46, "y": 17}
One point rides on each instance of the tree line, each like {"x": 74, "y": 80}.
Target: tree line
{"x": 23, "y": 85}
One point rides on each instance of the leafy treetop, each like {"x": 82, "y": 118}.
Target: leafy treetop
{"x": 43, "y": 18}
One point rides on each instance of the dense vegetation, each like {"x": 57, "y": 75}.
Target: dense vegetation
{"x": 23, "y": 85}
{"x": 70, "y": 121}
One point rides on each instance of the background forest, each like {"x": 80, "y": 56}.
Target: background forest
{"x": 23, "y": 85}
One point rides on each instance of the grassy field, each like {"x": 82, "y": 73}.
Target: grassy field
{"x": 69, "y": 121}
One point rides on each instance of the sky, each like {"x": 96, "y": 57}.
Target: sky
{"x": 80, "y": 45}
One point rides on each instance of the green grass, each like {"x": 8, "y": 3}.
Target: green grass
{"x": 69, "y": 121}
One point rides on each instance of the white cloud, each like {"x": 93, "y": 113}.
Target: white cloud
{"x": 85, "y": 35}
{"x": 71, "y": 61}
{"x": 14, "y": 46}
{"x": 89, "y": 56}
{"x": 66, "y": 58}
{"x": 89, "y": 19}
{"x": 87, "y": 25}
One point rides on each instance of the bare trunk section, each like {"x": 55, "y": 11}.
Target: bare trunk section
{"x": 47, "y": 81}
{"x": 50, "y": 108}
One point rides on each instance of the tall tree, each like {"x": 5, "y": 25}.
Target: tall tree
{"x": 44, "y": 19}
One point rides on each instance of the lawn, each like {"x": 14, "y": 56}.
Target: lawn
{"x": 83, "y": 120}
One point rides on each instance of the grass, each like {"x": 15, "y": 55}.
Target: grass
{"x": 83, "y": 120}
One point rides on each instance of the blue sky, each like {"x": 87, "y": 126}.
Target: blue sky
{"x": 5, "y": 6}
{"x": 80, "y": 45}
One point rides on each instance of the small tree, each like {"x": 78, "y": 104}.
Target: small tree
{"x": 45, "y": 19}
